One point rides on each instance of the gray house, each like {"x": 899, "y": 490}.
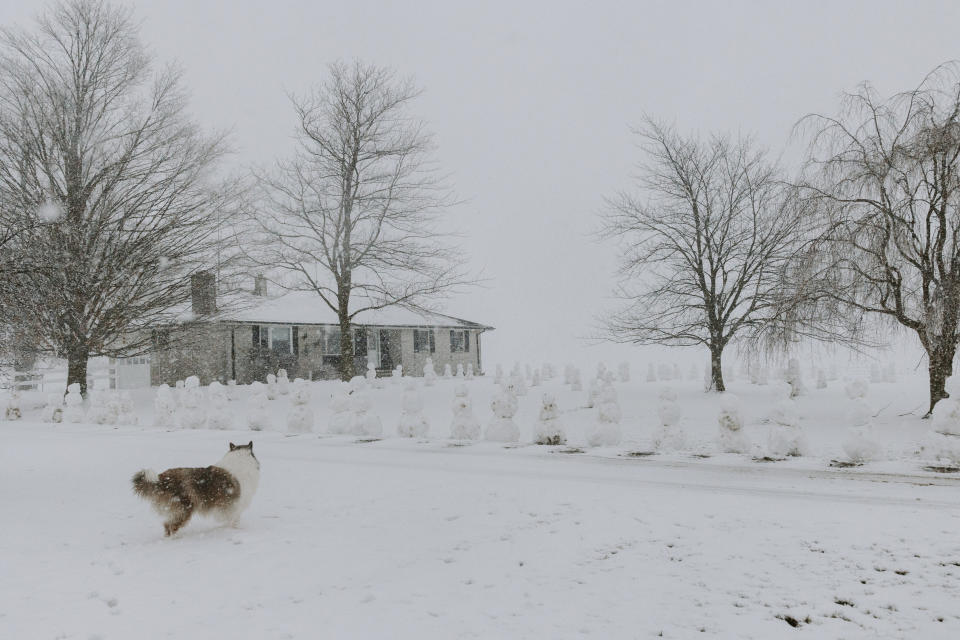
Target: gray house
{"x": 296, "y": 331}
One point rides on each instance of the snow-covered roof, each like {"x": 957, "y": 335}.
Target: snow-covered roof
{"x": 306, "y": 308}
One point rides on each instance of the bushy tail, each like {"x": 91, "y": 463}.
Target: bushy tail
{"x": 145, "y": 483}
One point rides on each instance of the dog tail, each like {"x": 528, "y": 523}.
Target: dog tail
{"x": 145, "y": 483}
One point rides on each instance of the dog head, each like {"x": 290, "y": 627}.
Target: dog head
{"x": 244, "y": 449}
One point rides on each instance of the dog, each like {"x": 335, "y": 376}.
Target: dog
{"x": 223, "y": 490}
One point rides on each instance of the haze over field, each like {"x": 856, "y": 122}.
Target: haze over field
{"x": 532, "y": 103}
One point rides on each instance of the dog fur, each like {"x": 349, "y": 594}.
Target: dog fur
{"x": 224, "y": 490}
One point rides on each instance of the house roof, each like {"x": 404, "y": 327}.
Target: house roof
{"x": 307, "y": 308}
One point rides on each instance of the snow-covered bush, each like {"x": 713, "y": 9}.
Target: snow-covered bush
{"x": 535, "y": 380}
{"x": 459, "y": 371}
{"x": 504, "y": 406}
{"x": 74, "y": 404}
{"x": 469, "y": 374}
{"x": 447, "y": 371}
{"x": 795, "y": 379}
{"x": 732, "y": 439}
{"x": 164, "y": 407}
{"x": 363, "y": 423}
{"x": 397, "y": 373}
{"x": 549, "y": 429}
{"x": 283, "y": 382}
{"x": 464, "y": 425}
{"x": 219, "y": 415}
{"x": 53, "y": 410}
{"x": 258, "y": 415}
{"x": 606, "y": 432}
{"x": 300, "y": 418}
{"x": 342, "y": 417}
{"x": 547, "y": 371}
{"x": 412, "y": 424}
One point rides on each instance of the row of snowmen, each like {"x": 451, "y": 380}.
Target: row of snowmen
{"x": 106, "y": 406}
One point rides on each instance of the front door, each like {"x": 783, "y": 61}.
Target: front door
{"x": 386, "y": 361}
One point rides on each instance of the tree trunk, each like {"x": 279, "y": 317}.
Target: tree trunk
{"x": 716, "y": 370}
{"x": 346, "y": 348}
{"x": 77, "y": 368}
{"x": 940, "y": 368}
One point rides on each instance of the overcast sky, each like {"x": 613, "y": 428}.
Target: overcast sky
{"x": 532, "y": 102}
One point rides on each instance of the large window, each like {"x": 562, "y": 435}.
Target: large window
{"x": 423, "y": 341}
{"x": 281, "y": 340}
{"x": 459, "y": 341}
{"x": 331, "y": 342}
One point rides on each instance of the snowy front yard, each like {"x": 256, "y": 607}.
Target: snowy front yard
{"x": 421, "y": 539}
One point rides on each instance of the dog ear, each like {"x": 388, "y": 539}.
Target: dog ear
{"x": 232, "y": 446}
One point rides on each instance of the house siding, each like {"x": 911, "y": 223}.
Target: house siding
{"x": 227, "y": 351}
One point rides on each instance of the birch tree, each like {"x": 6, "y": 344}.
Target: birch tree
{"x": 702, "y": 244}
{"x": 885, "y": 173}
{"x": 354, "y": 215}
{"x": 92, "y": 131}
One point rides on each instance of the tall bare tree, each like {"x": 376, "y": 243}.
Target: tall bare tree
{"x": 354, "y": 216}
{"x": 886, "y": 174}
{"x": 90, "y": 131}
{"x": 702, "y": 246}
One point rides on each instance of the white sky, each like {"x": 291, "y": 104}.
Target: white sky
{"x": 531, "y": 104}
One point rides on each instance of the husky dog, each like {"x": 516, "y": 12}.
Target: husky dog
{"x": 224, "y": 489}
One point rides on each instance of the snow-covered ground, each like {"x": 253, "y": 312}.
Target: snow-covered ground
{"x": 419, "y": 538}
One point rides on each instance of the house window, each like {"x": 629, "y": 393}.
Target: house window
{"x": 423, "y": 341}
{"x": 459, "y": 341}
{"x": 281, "y": 340}
{"x": 360, "y": 342}
{"x": 331, "y": 342}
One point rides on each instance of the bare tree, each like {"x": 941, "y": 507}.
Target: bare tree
{"x": 354, "y": 215}
{"x": 90, "y": 132}
{"x": 703, "y": 247}
{"x": 886, "y": 176}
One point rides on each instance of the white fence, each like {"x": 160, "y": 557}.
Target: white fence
{"x": 52, "y": 377}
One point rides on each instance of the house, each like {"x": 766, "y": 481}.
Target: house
{"x": 298, "y": 332}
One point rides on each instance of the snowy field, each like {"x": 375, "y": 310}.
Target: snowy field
{"x": 423, "y": 538}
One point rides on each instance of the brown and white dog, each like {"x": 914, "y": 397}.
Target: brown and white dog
{"x": 224, "y": 489}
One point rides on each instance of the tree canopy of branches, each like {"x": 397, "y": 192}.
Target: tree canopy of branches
{"x": 886, "y": 176}
{"x": 354, "y": 215}
{"x": 90, "y": 132}
{"x": 703, "y": 246}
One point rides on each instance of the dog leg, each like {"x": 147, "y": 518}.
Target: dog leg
{"x": 180, "y": 518}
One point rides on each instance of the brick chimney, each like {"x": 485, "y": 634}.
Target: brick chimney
{"x": 203, "y": 290}
{"x": 260, "y": 285}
